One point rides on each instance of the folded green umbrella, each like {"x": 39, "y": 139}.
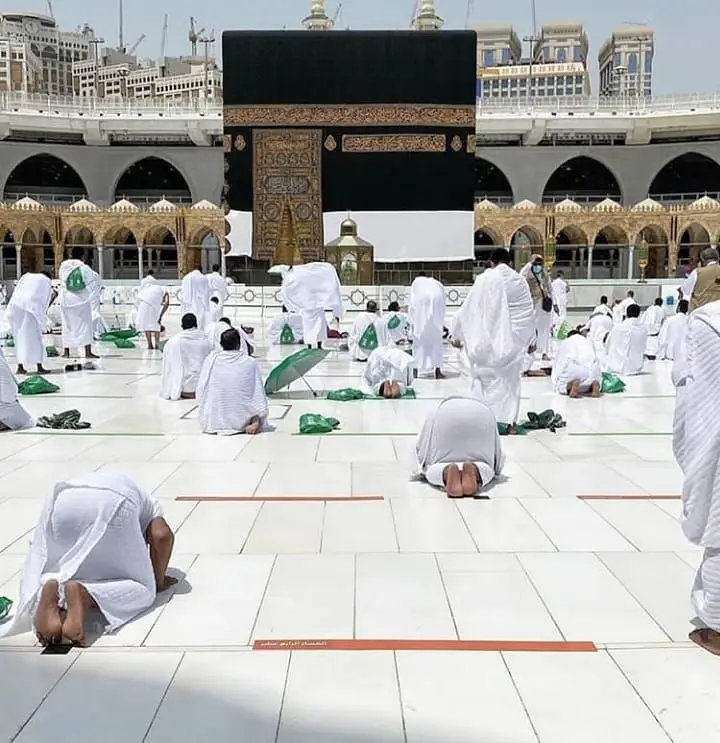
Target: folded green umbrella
{"x": 114, "y": 335}
{"x": 611, "y": 384}
{"x": 548, "y": 420}
{"x": 5, "y": 606}
{"x": 68, "y": 420}
{"x": 312, "y": 423}
{"x": 37, "y": 385}
{"x": 349, "y": 394}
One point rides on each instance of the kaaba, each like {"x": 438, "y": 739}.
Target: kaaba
{"x": 380, "y": 126}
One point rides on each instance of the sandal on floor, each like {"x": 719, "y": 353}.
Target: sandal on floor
{"x": 707, "y": 639}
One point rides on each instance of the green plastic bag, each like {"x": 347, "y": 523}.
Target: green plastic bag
{"x": 69, "y": 420}
{"x": 311, "y": 423}
{"x": 5, "y": 606}
{"x": 37, "y": 386}
{"x": 75, "y": 282}
{"x": 394, "y": 322}
{"x": 287, "y": 337}
{"x": 562, "y": 331}
{"x": 52, "y": 352}
{"x": 548, "y": 420}
{"x": 113, "y": 335}
{"x": 10, "y": 343}
{"x": 369, "y": 340}
{"x": 346, "y": 395}
{"x": 124, "y": 343}
{"x": 611, "y": 384}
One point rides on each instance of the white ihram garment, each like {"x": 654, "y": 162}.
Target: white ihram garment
{"x": 147, "y": 281}
{"x": 426, "y": 314}
{"x": 218, "y": 288}
{"x": 27, "y": 317}
{"x": 283, "y": 320}
{"x": 401, "y": 331}
{"x": 76, "y": 308}
{"x": 91, "y": 531}
{"x": 576, "y": 361}
{"x": 599, "y": 326}
{"x": 688, "y": 286}
{"x": 625, "y": 347}
{"x": 696, "y": 444}
{"x": 542, "y": 318}
{"x": 214, "y": 333}
{"x": 388, "y": 364}
{"x": 150, "y": 300}
{"x": 196, "y": 296}
{"x": 672, "y": 336}
{"x": 496, "y": 325}
{"x": 12, "y": 414}
{"x": 183, "y": 357}
{"x": 230, "y": 393}
{"x": 622, "y": 310}
{"x": 363, "y": 321}
{"x": 214, "y": 313}
{"x": 560, "y": 297}
{"x": 462, "y": 429}
{"x": 653, "y": 317}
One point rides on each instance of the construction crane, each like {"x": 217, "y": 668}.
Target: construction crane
{"x": 134, "y": 47}
{"x": 469, "y": 12}
{"x": 51, "y": 12}
{"x": 336, "y": 17}
{"x": 194, "y": 36}
{"x": 416, "y": 8}
{"x": 163, "y": 41}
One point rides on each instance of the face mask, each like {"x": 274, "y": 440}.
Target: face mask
{"x": 537, "y": 269}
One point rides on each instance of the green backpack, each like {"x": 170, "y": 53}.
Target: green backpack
{"x": 287, "y": 337}
{"x": 394, "y": 322}
{"x": 369, "y": 339}
{"x": 75, "y": 282}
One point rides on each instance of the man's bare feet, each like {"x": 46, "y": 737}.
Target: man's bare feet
{"x": 78, "y": 601}
{"x": 20, "y": 371}
{"x": 253, "y": 427}
{"x": 512, "y": 429}
{"x": 48, "y": 623}
{"x": 91, "y": 355}
{"x": 66, "y": 353}
{"x": 187, "y": 395}
{"x": 42, "y": 370}
{"x": 168, "y": 582}
{"x": 453, "y": 481}
{"x": 470, "y": 480}
{"x": 574, "y": 390}
{"x": 595, "y": 390}
{"x": 439, "y": 374}
{"x": 707, "y": 639}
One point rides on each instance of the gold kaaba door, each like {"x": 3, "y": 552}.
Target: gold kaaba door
{"x": 287, "y": 195}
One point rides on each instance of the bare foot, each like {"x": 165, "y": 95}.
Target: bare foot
{"x": 91, "y": 355}
{"x": 439, "y": 374}
{"x": 707, "y": 639}
{"x": 512, "y": 429}
{"x": 20, "y": 370}
{"x": 595, "y": 390}
{"x": 253, "y": 427}
{"x": 73, "y": 627}
{"x": 470, "y": 480}
{"x": 168, "y": 582}
{"x": 42, "y": 370}
{"x": 48, "y": 623}
{"x": 453, "y": 481}
{"x": 574, "y": 390}
{"x": 66, "y": 353}
{"x": 187, "y": 395}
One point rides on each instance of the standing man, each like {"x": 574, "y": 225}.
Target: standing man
{"x": 706, "y": 287}
{"x": 560, "y": 290}
{"x": 625, "y": 304}
{"x": 696, "y": 445}
{"x": 79, "y": 284}
{"x": 427, "y": 316}
{"x": 196, "y": 296}
{"x": 654, "y": 317}
{"x": 153, "y": 301}
{"x": 218, "y": 287}
{"x": 27, "y": 317}
{"x": 495, "y": 327}
{"x": 539, "y": 284}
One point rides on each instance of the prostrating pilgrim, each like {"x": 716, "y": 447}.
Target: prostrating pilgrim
{"x": 673, "y": 333}
{"x": 79, "y": 285}
{"x": 152, "y": 303}
{"x": 495, "y": 328}
{"x": 396, "y": 324}
{"x": 459, "y": 447}
{"x": 576, "y": 370}
{"x": 427, "y": 318}
{"x": 309, "y": 290}
{"x": 368, "y": 333}
{"x": 183, "y": 357}
{"x": 218, "y": 287}
{"x": 101, "y": 542}
{"x": 626, "y": 344}
{"x": 696, "y": 444}
{"x": 195, "y": 297}
{"x": 230, "y": 394}
{"x": 27, "y": 316}
{"x": 389, "y": 372}
{"x": 13, "y": 416}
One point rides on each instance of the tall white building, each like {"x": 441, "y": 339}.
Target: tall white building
{"x": 626, "y": 62}
{"x": 498, "y": 45}
{"x": 427, "y": 18}
{"x": 318, "y": 20}
{"x": 42, "y": 54}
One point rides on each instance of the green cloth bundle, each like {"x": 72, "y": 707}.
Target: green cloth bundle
{"x": 312, "y": 423}
{"x": 37, "y": 386}
{"x": 5, "y": 606}
{"x": 548, "y": 420}
{"x": 69, "y": 420}
{"x": 562, "y": 332}
{"x": 115, "y": 335}
{"x": 348, "y": 394}
{"x": 52, "y": 352}
{"x": 124, "y": 343}
{"x": 611, "y": 384}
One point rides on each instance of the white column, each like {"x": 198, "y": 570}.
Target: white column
{"x": 589, "y": 264}
{"x": 101, "y": 267}
{"x": 223, "y": 264}
{"x": 631, "y": 261}
{"x": 140, "y": 262}
{"x": 18, "y": 260}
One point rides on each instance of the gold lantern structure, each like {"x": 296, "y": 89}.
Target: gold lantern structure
{"x": 550, "y": 255}
{"x": 643, "y": 256}
{"x": 351, "y": 255}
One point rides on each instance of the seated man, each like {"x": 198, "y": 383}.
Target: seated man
{"x": 367, "y": 333}
{"x": 396, "y": 324}
{"x": 100, "y": 542}
{"x": 459, "y": 447}
{"x": 674, "y": 332}
{"x": 626, "y": 344}
{"x": 215, "y": 333}
{"x": 576, "y": 370}
{"x": 214, "y": 312}
{"x": 285, "y": 329}
{"x": 183, "y": 358}
{"x": 389, "y": 372}
{"x": 13, "y": 416}
{"x": 230, "y": 393}
{"x": 599, "y": 325}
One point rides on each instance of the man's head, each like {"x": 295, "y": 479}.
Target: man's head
{"x": 500, "y": 256}
{"x": 230, "y": 340}
{"x": 47, "y": 273}
{"x": 633, "y": 311}
{"x": 683, "y": 306}
{"x": 371, "y": 307}
{"x": 631, "y": 294}
{"x": 708, "y": 255}
{"x": 603, "y": 299}
{"x": 393, "y": 307}
{"x": 214, "y": 300}
{"x": 283, "y": 309}
{"x": 659, "y": 302}
{"x": 573, "y": 332}
{"x": 390, "y": 390}
{"x": 422, "y": 274}
{"x": 188, "y": 321}
{"x": 226, "y": 321}
{"x": 560, "y": 274}
{"x": 151, "y": 272}
{"x": 216, "y": 268}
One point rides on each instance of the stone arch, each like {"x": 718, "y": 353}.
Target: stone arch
{"x": 79, "y": 242}
{"x": 570, "y": 244}
{"x": 686, "y": 177}
{"x": 582, "y": 179}
{"x": 205, "y": 248}
{"x": 527, "y": 236}
{"x": 121, "y": 242}
{"x": 692, "y": 238}
{"x": 486, "y": 240}
{"x": 492, "y": 183}
{"x": 37, "y": 253}
{"x": 610, "y": 251}
{"x": 8, "y": 255}
{"x": 658, "y": 243}
{"x": 161, "y": 252}
{"x": 44, "y": 177}
{"x": 150, "y": 179}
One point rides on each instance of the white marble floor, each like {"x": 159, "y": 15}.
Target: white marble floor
{"x": 356, "y": 557}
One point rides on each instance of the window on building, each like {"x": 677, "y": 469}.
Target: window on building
{"x": 648, "y": 60}
{"x": 488, "y": 58}
{"x": 546, "y": 53}
{"x": 632, "y": 64}
{"x": 506, "y": 55}
{"x": 617, "y": 60}
{"x": 561, "y": 56}
{"x": 577, "y": 54}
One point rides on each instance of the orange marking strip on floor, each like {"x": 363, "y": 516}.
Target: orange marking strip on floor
{"x": 629, "y": 497}
{"x": 517, "y": 646}
{"x": 278, "y": 498}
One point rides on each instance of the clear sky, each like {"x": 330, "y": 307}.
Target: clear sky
{"x": 686, "y": 59}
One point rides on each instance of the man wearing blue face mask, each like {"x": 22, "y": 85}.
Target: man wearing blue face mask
{"x": 541, "y": 291}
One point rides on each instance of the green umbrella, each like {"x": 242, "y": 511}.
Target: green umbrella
{"x": 294, "y": 367}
